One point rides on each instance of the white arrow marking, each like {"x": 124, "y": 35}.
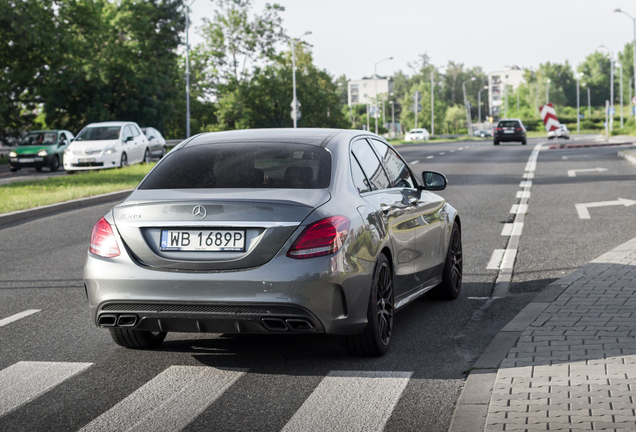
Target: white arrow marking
{"x": 572, "y": 173}
{"x": 584, "y": 214}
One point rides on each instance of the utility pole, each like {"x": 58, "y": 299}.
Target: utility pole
{"x": 375, "y": 79}
{"x": 611, "y": 57}
{"x": 432, "y": 102}
{"x": 188, "y": 69}
{"x": 468, "y": 123}
{"x": 633, "y": 46}
{"x": 295, "y": 103}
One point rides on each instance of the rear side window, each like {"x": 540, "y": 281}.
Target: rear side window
{"x": 398, "y": 172}
{"x": 509, "y": 123}
{"x": 243, "y": 165}
{"x": 370, "y": 165}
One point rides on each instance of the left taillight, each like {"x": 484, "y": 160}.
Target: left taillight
{"x": 103, "y": 241}
{"x": 323, "y": 237}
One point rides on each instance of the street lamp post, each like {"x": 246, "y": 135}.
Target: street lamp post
{"x": 433, "y": 100}
{"x": 547, "y": 92}
{"x": 620, "y": 88}
{"x": 295, "y": 105}
{"x": 578, "y": 103}
{"x": 629, "y": 102}
{"x": 392, "y": 119}
{"x": 479, "y": 104}
{"x": 470, "y": 128}
{"x": 633, "y": 43}
{"x": 375, "y": 79}
{"x": 611, "y": 106}
{"x": 589, "y": 102}
{"x": 188, "y": 69}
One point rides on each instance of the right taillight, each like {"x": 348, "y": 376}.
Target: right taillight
{"x": 498, "y": 129}
{"x": 323, "y": 237}
{"x": 103, "y": 241}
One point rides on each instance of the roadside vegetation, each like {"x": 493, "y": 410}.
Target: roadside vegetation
{"x": 30, "y": 194}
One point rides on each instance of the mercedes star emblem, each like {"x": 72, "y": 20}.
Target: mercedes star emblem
{"x": 199, "y": 212}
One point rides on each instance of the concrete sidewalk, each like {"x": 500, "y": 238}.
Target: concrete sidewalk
{"x": 571, "y": 357}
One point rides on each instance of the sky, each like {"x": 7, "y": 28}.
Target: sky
{"x": 350, "y": 36}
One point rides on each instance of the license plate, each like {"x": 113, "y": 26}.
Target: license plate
{"x": 203, "y": 240}
{"x": 26, "y": 160}
{"x": 509, "y": 131}
{"x": 86, "y": 160}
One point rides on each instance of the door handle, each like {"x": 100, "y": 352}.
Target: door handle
{"x": 385, "y": 208}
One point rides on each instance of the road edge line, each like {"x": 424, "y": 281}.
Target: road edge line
{"x": 24, "y": 215}
{"x": 628, "y": 157}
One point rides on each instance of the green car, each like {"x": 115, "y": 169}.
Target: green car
{"x": 40, "y": 149}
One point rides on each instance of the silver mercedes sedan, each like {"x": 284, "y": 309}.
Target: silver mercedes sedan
{"x": 274, "y": 231}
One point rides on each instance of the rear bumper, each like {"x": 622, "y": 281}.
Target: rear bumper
{"x": 321, "y": 295}
{"x": 510, "y": 137}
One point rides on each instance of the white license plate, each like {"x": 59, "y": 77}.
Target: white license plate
{"x": 86, "y": 160}
{"x": 203, "y": 240}
{"x": 26, "y": 160}
{"x": 508, "y": 131}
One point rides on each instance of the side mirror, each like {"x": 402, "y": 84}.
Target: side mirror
{"x": 130, "y": 138}
{"x": 433, "y": 181}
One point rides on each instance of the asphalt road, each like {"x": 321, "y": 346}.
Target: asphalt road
{"x": 229, "y": 383}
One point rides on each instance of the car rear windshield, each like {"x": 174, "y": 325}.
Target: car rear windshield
{"x": 509, "y": 123}
{"x": 243, "y": 165}
{"x": 99, "y": 133}
{"x": 39, "y": 138}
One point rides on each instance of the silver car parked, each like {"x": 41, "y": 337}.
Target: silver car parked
{"x": 274, "y": 231}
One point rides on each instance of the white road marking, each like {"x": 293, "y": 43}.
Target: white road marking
{"x": 442, "y": 153}
{"x": 526, "y": 184}
{"x": 508, "y": 261}
{"x": 461, "y": 148}
{"x": 478, "y": 298}
{"x": 430, "y": 157}
{"x": 528, "y": 175}
{"x": 519, "y": 209}
{"x": 452, "y": 151}
{"x": 585, "y": 214}
{"x": 512, "y": 229}
{"x": 523, "y": 194}
{"x": 572, "y": 173}
{"x": 350, "y": 401}
{"x": 495, "y": 259}
{"x": 415, "y": 162}
{"x": 24, "y": 381}
{"x": 564, "y": 157}
{"x": 168, "y": 402}
{"x": 12, "y": 318}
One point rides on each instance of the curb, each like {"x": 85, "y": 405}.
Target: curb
{"x": 582, "y": 145}
{"x": 22, "y": 215}
{"x": 629, "y": 156}
{"x": 472, "y": 405}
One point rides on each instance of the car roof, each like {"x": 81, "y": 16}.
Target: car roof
{"x": 47, "y": 130}
{"x": 312, "y": 136}
{"x": 111, "y": 123}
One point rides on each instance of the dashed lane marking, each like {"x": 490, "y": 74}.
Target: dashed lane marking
{"x": 512, "y": 229}
{"x": 523, "y": 194}
{"x": 495, "y": 259}
{"x": 415, "y": 162}
{"x": 430, "y": 157}
{"x": 12, "y": 318}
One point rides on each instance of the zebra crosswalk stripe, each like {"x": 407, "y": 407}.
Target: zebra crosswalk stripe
{"x": 24, "y": 381}
{"x": 168, "y": 402}
{"x": 350, "y": 401}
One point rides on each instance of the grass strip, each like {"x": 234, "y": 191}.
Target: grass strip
{"x": 30, "y": 194}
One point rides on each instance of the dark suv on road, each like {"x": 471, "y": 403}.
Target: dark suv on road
{"x": 510, "y": 130}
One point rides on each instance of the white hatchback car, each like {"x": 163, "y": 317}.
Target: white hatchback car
{"x": 561, "y": 132}
{"x": 106, "y": 145}
{"x": 156, "y": 142}
{"x": 417, "y": 135}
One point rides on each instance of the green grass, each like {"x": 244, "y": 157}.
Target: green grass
{"x": 36, "y": 193}
{"x": 3, "y": 159}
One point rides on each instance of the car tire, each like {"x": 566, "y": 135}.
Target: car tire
{"x": 495, "y": 142}
{"x": 524, "y": 142}
{"x": 374, "y": 340}
{"x": 146, "y": 156}
{"x": 453, "y": 270}
{"x": 137, "y": 339}
{"x": 13, "y": 169}
{"x": 70, "y": 172}
{"x": 38, "y": 169}
{"x": 55, "y": 164}
{"x": 164, "y": 150}
{"x": 124, "y": 160}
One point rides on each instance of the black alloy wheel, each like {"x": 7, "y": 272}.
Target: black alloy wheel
{"x": 38, "y": 169}
{"x": 124, "y": 160}
{"x": 453, "y": 270}
{"x": 55, "y": 164}
{"x": 146, "y": 156}
{"x": 374, "y": 340}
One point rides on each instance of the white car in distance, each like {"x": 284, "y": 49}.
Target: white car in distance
{"x": 417, "y": 135}
{"x": 561, "y": 132}
{"x": 106, "y": 145}
{"x": 156, "y": 142}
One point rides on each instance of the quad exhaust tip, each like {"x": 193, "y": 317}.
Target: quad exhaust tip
{"x": 113, "y": 320}
{"x": 293, "y": 324}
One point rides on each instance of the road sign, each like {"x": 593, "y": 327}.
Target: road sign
{"x": 612, "y": 111}
{"x": 634, "y": 110}
{"x": 295, "y": 114}
{"x": 374, "y": 112}
{"x": 417, "y": 107}
{"x": 581, "y": 116}
{"x": 297, "y": 104}
{"x": 417, "y": 96}
{"x": 548, "y": 115}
